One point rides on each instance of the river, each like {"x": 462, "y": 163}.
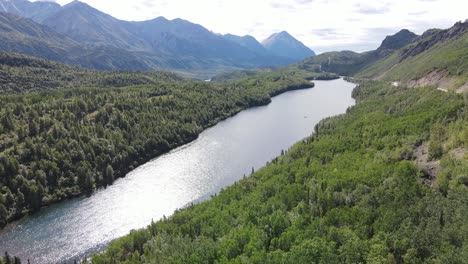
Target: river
{"x": 220, "y": 156}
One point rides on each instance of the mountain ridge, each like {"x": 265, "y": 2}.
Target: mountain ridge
{"x": 158, "y": 43}
{"x": 25, "y": 36}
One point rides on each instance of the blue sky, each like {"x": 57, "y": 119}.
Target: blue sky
{"x": 323, "y": 25}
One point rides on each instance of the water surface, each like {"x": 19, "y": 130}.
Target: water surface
{"x": 219, "y": 157}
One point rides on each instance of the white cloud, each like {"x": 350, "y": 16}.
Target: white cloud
{"x": 352, "y": 24}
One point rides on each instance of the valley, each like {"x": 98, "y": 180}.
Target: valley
{"x": 157, "y": 140}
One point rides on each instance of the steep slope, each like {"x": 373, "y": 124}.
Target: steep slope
{"x": 88, "y": 25}
{"x": 22, "y": 35}
{"x": 441, "y": 59}
{"x": 285, "y": 45}
{"x": 398, "y": 40}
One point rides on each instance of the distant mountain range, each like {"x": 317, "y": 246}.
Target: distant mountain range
{"x": 75, "y": 33}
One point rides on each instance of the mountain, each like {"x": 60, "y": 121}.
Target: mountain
{"x": 166, "y": 39}
{"x": 440, "y": 59}
{"x": 437, "y": 57}
{"x": 159, "y": 43}
{"x": 285, "y": 45}
{"x": 24, "y": 36}
{"x": 88, "y": 25}
{"x": 37, "y": 11}
{"x": 398, "y": 40}
{"x": 247, "y": 41}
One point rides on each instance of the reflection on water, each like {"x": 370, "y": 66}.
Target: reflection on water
{"x": 219, "y": 157}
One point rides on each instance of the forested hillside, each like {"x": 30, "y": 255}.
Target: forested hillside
{"x": 62, "y": 143}
{"x": 350, "y": 193}
{"x": 21, "y": 73}
{"x": 309, "y": 73}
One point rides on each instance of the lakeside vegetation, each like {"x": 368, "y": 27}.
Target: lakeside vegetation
{"x": 62, "y": 143}
{"x": 350, "y": 193}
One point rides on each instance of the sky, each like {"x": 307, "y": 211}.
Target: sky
{"x": 322, "y": 25}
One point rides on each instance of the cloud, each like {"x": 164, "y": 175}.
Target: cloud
{"x": 303, "y": 2}
{"x": 277, "y": 5}
{"x": 366, "y": 9}
{"x": 419, "y": 13}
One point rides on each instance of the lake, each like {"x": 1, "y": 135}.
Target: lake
{"x": 220, "y": 156}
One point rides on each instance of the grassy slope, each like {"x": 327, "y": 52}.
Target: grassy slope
{"x": 451, "y": 55}
{"x": 349, "y": 194}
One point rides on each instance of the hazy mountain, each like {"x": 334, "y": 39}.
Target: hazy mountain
{"x": 37, "y": 11}
{"x": 164, "y": 38}
{"x": 285, "y": 45}
{"x": 247, "y": 41}
{"x": 88, "y": 25}
{"x": 158, "y": 43}
{"x": 24, "y": 36}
